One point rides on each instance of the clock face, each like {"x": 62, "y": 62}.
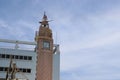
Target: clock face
{"x": 46, "y": 45}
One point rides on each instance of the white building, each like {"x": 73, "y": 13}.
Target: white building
{"x": 25, "y": 59}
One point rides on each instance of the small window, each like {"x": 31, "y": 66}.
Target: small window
{"x": 24, "y": 70}
{"x": 6, "y": 68}
{"x": 3, "y": 55}
{"x": 13, "y": 56}
{"x": 21, "y": 57}
{"x": 28, "y": 70}
{"x": 7, "y": 56}
{"x": 10, "y": 69}
{"x": 29, "y": 58}
{"x": 1, "y": 69}
{"x": 20, "y": 69}
{"x": 0, "y": 55}
{"x": 16, "y": 57}
{"x": 25, "y": 57}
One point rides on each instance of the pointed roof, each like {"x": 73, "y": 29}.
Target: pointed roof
{"x": 44, "y": 17}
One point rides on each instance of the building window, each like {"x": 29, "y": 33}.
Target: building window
{"x": 3, "y": 56}
{"x": 28, "y": 70}
{"x": 13, "y": 56}
{"x": 25, "y": 70}
{"x": 29, "y": 58}
{"x": 25, "y": 57}
{"x": 1, "y": 69}
{"x": 21, "y": 57}
{"x": 16, "y": 57}
{"x": 6, "y": 69}
{"x": 20, "y": 69}
{"x": 7, "y": 56}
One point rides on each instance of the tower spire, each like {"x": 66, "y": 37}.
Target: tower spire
{"x": 44, "y": 22}
{"x": 44, "y": 17}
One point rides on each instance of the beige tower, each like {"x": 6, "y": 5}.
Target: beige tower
{"x": 44, "y": 51}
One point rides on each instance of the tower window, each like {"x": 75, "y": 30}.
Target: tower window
{"x": 44, "y": 25}
{"x": 46, "y": 45}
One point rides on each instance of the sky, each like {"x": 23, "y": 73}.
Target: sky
{"x": 88, "y": 32}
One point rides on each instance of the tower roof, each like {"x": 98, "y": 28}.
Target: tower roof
{"x": 44, "y": 17}
{"x": 44, "y": 20}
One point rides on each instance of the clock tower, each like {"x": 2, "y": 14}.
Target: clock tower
{"x": 44, "y": 51}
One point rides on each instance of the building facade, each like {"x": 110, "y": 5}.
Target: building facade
{"x": 42, "y": 62}
{"x": 25, "y": 61}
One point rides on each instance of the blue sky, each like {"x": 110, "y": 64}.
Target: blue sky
{"x": 88, "y": 32}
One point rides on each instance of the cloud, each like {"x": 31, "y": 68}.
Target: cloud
{"x": 18, "y": 30}
{"x": 3, "y": 24}
{"x": 92, "y": 55}
{"x": 104, "y": 31}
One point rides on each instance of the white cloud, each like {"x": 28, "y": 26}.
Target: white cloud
{"x": 96, "y": 53}
{"x": 3, "y": 24}
{"x": 106, "y": 31}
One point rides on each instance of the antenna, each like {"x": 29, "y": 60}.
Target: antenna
{"x": 56, "y": 38}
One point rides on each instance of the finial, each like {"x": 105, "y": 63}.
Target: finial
{"x": 44, "y": 13}
{"x": 44, "y": 17}
{"x": 44, "y": 22}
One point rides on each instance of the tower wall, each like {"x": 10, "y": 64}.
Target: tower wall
{"x": 44, "y": 51}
